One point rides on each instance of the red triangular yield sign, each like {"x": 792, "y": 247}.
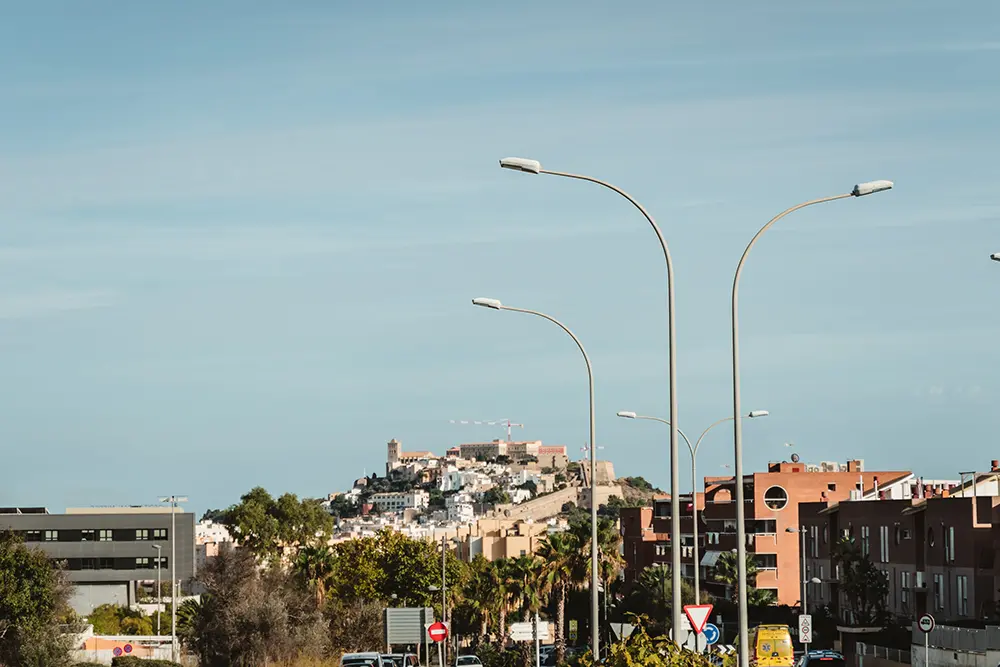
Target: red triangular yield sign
{"x": 698, "y": 615}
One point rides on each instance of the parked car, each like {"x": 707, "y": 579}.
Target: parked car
{"x": 468, "y": 661}
{"x": 400, "y": 660}
{"x": 821, "y": 659}
{"x": 371, "y": 659}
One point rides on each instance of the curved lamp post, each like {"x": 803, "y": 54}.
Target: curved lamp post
{"x": 753, "y": 414}
{"x": 859, "y": 190}
{"x": 535, "y": 167}
{"x": 495, "y": 304}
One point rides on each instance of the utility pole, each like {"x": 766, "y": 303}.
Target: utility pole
{"x": 173, "y": 500}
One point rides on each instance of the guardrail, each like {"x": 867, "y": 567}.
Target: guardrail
{"x": 891, "y": 654}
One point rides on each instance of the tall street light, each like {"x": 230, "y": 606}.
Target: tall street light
{"x": 753, "y": 414}
{"x": 594, "y": 561}
{"x": 859, "y": 190}
{"x": 815, "y": 580}
{"x": 159, "y": 587}
{"x": 173, "y": 500}
{"x": 534, "y": 167}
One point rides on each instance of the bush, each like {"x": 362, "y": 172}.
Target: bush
{"x": 132, "y": 661}
{"x": 87, "y": 664}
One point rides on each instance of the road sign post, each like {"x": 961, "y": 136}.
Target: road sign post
{"x": 926, "y": 624}
{"x": 805, "y": 629}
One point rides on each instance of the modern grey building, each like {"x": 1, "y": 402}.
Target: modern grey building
{"x": 107, "y": 551}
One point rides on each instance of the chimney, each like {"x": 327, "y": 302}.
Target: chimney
{"x": 994, "y": 466}
{"x": 875, "y": 480}
{"x": 881, "y": 495}
{"x": 822, "y": 496}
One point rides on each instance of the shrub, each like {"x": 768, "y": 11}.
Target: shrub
{"x": 133, "y": 661}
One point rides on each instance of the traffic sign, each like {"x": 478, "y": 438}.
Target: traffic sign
{"x": 525, "y": 632}
{"x": 117, "y": 652}
{"x": 805, "y": 628}
{"x": 437, "y": 631}
{"x": 698, "y": 615}
{"x": 711, "y": 632}
{"x": 926, "y": 623}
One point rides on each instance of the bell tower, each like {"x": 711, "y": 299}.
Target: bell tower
{"x": 392, "y": 455}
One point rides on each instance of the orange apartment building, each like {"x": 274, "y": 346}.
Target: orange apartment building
{"x": 772, "y": 499}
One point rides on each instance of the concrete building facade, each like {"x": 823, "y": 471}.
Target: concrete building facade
{"x": 107, "y": 552}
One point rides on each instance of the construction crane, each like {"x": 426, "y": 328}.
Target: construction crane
{"x": 495, "y": 422}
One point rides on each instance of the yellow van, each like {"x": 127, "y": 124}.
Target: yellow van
{"x": 772, "y": 646}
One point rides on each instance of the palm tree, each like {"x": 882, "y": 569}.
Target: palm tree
{"x": 315, "y": 565}
{"x": 652, "y": 596}
{"x": 560, "y": 553}
{"x": 479, "y": 593}
{"x": 726, "y": 572}
{"x": 500, "y": 573}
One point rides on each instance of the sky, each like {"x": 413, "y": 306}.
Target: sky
{"x": 238, "y": 242}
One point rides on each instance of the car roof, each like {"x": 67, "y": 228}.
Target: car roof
{"x": 366, "y": 654}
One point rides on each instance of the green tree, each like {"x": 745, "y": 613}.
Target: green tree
{"x": 560, "y": 553}
{"x": 496, "y": 496}
{"x": 216, "y": 515}
{"x": 315, "y": 565}
{"x": 863, "y": 584}
{"x": 34, "y": 597}
{"x": 652, "y": 596}
{"x": 479, "y": 595}
{"x": 266, "y": 526}
{"x": 111, "y": 619}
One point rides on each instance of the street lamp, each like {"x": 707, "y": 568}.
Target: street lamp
{"x": 173, "y": 500}
{"x": 495, "y": 304}
{"x": 860, "y": 190}
{"x": 535, "y": 167}
{"x": 995, "y": 257}
{"x": 753, "y": 414}
{"x": 159, "y": 588}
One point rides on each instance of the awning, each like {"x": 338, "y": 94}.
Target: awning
{"x": 710, "y": 558}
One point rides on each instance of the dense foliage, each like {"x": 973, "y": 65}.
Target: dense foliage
{"x": 34, "y": 608}
{"x": 863, "y": 584}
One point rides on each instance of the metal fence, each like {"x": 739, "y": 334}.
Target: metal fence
{"x": 961, "y": 639}
{"x": 891, "y": 654}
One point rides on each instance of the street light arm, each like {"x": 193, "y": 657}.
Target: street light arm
{"x": 705, "y": 432}
{"x": 586, "y": 358}
{"x": 675, "y": 484}
{"x": 691, "y": 448}
{"x": 743, "y": 635}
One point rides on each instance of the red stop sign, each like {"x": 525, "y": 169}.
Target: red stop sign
{"x": 438, "y": 631}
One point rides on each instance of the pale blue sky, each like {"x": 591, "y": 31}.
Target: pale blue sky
{"x": 238, "y": 240}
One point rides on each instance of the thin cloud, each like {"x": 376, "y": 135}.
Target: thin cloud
{"x": 41, "y": 304}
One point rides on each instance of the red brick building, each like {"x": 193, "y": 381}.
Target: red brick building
{"x": 772, "y": 500}
{"x": 936, "y": 545}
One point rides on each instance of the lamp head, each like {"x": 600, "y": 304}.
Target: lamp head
{"x": 758, "y": 413}
{"x": 487, "y": 303}
{"x": 522, "y": 164}
{"x": 626, "y": 415}
{"x": 995, "y": 257}
{"x": 871, "y": 187}
{"x": 793, "y": 530}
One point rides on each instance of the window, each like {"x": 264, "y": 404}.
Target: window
{"x": 142, "y": 563}
{"x": 949, "y": 544}
{"x": 883, "y": 544}
{"x": 160, "y": 563}
{"x": 141, "y": 534}
{"x": 962, "y": 595}
{"x": 105, "y": 535}
{"x": 826, "y": 533}
{"x": 832, "y": 486}
{"x": 105, "y": 563}
{"x": 88, "y": 563}
{"x": 33, "y": 536}
{"x": 814, "y": 541}
{"x": 896, "y": 534}
{"x": 939, "y": 592}
{"x": 660, "y": 549}
{"x": 159, "y": 533}
{"x": 87, "y": 536}
{"x": 766, "y": 561}
{"x": 51, "y": 535}
{"x": 930, "y": 536}
{"x": 776, "y": 498}
{"x": 865, "y": 541}
{"x": 904, "y": 587}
